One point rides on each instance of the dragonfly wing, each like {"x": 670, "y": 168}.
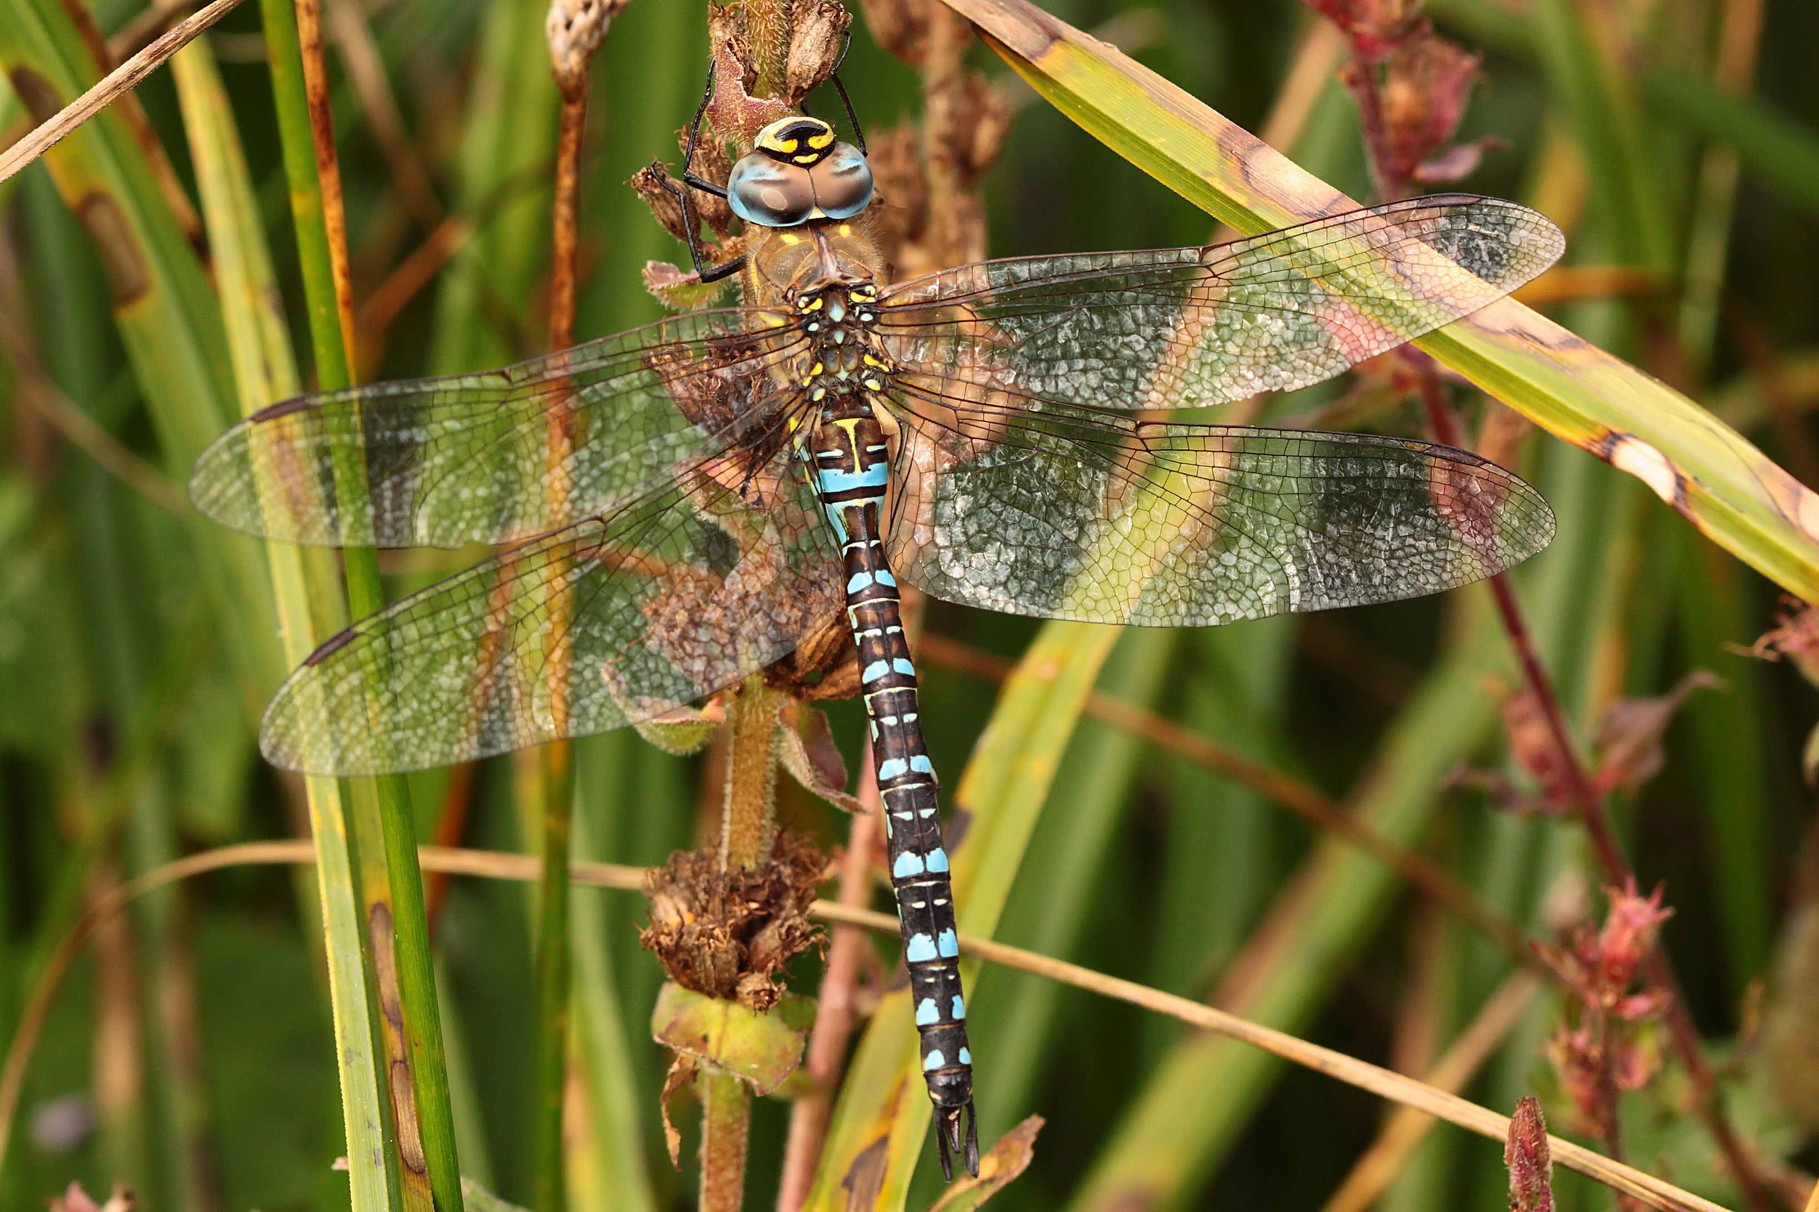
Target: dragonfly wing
{"x": 1193, "y": 327}
{"x": 469, "y": 458}
{"x": 1059, "y": 511}
{"x": 611, "y": 621}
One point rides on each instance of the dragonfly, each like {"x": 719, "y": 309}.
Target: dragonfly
{"x": 729, "y": 482}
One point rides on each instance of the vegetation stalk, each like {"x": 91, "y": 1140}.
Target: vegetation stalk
{"x": 555, "y": 760}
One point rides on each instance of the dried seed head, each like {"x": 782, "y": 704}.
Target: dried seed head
{"x": 574, "y": 29}
{"x": 900, "y": 27}
{"x": 729, "y": 934}
{"x": 900, "y": 208}
{"x": 818, "y": 30}
{"x": 982, "y": 139}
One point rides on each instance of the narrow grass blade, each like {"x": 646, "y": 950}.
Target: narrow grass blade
{"x": 167, "y": 315}
{"x": 1187, "y": 1116}
{"x": 1720, "y": 482}
{"x": 303, "y": 582}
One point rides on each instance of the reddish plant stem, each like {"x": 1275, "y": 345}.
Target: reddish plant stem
{"x": 1613, "y": 863}
{"x": 1586, "y": 801}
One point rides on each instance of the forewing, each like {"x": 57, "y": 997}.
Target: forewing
{"x": 1193, "y": 327}
{"x": 608, "y": 622}
{"x": 1055, "y": 510}
{"x": 471, "y": 458}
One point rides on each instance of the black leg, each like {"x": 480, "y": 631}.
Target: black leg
{"x": 704, "y": 271}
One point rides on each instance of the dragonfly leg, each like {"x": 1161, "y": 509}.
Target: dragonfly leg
{"x": 703, "y": 270}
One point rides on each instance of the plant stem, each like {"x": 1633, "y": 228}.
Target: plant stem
{"x": 556, "y": 768}
{"x": 747, "y": 820}
{"x": 726, "y": 1112}
{"x": 746, "y": 830}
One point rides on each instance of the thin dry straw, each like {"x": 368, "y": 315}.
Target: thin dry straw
{"x": 111, "y": 87}
{"x": 1384, "y": 1083}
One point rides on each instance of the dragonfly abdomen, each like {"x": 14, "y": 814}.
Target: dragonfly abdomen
{"x": 851, "y": 468}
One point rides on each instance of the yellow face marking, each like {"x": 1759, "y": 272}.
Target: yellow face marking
{"x": 806, "y": 158}
{"x": 821, "y": 140}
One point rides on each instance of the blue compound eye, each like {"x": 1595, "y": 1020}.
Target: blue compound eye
{"x": 763, "y": 191}
{"x": 843, "y": 182}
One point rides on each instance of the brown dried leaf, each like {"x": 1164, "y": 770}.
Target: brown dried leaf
{"x": 655, "y": 189}
{"x": 812, "y": 758}
{"x": 1629, "y": 740}
{"x": 1000, "y": 1164}
{"x": 1531, "y": 741}
{"x": 680, "y": 1078}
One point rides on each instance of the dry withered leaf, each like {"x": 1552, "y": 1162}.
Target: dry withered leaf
{"x": 679, "y": 1080}
{"x": 1629, "y": 741}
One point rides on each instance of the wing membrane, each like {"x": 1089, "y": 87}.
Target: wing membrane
{"x": 1055, "y": 510}
{"x": 1193, "y": 327}
{"x": 468, "y": 457}
{"x": 611, "y": 621}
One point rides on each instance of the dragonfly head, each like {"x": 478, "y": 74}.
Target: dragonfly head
{"x": 798, "y": 171}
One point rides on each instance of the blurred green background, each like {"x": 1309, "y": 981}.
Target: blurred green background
{"x": 190, "y": 1052}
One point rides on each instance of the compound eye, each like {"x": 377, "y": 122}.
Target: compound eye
{"x": 762, "y": 191}
{"x": 843, "y": 182}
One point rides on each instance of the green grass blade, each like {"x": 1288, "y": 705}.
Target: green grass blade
{"x": 506, "y": 150}
{"x": 304, "y": 586}
{"x": 1188, "y": 1115}
{"x": 383, "y": 838}
{"x": 1015, "y": 1023}
{"x": 1724, "y": 485}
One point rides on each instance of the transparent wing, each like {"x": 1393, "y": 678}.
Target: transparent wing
{"x": 608, "y": 622}
{"x": 1192, "y": 327}
{"x": 469, "y": 457}
{"x": 1040, "y": 507}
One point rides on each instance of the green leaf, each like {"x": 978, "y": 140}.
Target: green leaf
{"x": 762, "y": 1047}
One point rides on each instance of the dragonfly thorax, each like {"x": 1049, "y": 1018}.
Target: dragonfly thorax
{"x": 843, "y": 354}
